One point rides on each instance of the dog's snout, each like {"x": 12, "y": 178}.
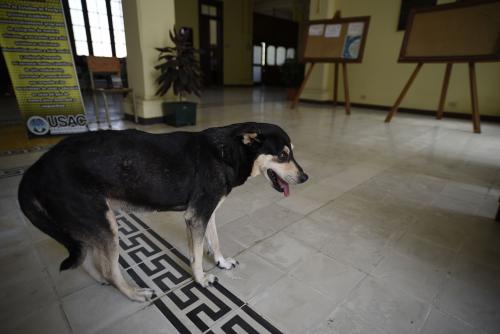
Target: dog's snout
{"x": 303, "y": 177}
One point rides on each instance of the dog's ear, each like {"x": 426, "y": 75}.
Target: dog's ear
{"x": 249, "y": 135}
{"x": 250, "y": 138}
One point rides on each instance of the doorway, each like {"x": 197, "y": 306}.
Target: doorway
{"x": 211, "y": 52}
{"x": 275, "y": 42}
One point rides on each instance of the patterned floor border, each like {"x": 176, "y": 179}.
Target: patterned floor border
{"x": 10, "y": 172}
{"x": 25, "y": 150}
{"x": 152, "y": 262}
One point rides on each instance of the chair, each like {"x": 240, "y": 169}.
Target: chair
{"x": 108, "y": 65}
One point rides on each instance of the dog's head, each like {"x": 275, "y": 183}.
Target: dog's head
{"x": 274, "y": 157}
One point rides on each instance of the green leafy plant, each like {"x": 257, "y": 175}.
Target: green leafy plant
{"x": 179, "y": 67}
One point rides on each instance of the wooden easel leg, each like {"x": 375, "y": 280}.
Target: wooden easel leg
{"x": 473, "y": 94}
{"x": 346, "y": 90}
{"x": 335, "y": 84}
{"x": 302, "y": 86}
{"x": 395, "y": 107}
{"x": 444, "y": 89}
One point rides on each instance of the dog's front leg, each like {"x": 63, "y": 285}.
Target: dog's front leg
{"x": 213, "y": 242}
{"x": 196, "y": 227}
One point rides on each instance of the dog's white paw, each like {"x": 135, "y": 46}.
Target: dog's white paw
{"x": 207, "y": 280}
{"x": 227, "y": 263}
{"x": 142, "y": 295}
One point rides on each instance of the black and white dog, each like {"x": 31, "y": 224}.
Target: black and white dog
{"x": 71, "y": 191}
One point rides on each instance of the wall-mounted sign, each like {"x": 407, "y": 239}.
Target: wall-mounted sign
{"x": 35, "y": 45}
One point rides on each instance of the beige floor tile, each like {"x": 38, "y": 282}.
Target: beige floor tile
{"x": 65, "y": 282}
{"x": 412, "y": 275}
{"x": 343, "y": 321}
{"x": 96, "y": 307}
{"x": 388, "y": 308}
{"x": 283, "y": 251}
{"x": 250, "y": 277}
{"x": 471, "y": 303}
{"x": 51, "y": 316}
{"x": 359, "y": 245}
{"x": 425, "y": 251}
{"x": 328, "y": 276}
{"x": 288, "y": 300}
{"x": 310, "y": 232}
{"x": 441, "y": 323}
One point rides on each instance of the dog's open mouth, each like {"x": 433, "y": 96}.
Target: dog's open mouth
{"x": 278, "y": 183}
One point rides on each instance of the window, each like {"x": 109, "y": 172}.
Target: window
{"x": 290, "y": 53}
{"x": 79, "y": 33}
{"x": 271, "y": 55}
{"x": 257, "y": 63}
{"x": 118, "y": 28}
{"x": 99, "y": 28}
{"x": 280, "y": 55}
{"x": 213, "y": 32}
{"x": 95, "y": 23}
{"x": 209, "y": 10}
{"x": 257, "y": 54}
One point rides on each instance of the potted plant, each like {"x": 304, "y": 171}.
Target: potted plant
{"x": 292, "y": 74}
{"x": 179, "y": 70}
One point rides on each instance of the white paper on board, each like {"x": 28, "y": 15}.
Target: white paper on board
{"x": 355, "y": 29}
{"x": 316, "y": 29}
{"x": 332, "y": 30}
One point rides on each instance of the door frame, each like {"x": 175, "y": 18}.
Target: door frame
{"x": 220, "y": 34}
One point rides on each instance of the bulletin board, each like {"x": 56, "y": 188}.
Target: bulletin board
{"x": 335, "y": 40}
{"x": 458, "y": 32}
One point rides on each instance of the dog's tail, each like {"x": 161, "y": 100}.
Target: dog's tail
{"x": 40, "y": 218}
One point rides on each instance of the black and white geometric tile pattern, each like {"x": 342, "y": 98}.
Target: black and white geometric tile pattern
{"x": 25, "y": 150}
{"x": 152, "y": 262}
{"x": 10, "y": 172}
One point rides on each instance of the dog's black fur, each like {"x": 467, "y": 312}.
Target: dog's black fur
{"x": 66, "y": 193}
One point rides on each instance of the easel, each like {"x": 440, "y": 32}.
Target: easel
{"x": 347, "y": 100}
{"x": 461, "y": 33}
{"x": 336, "y": 61}
{"x": 439, "y": 115}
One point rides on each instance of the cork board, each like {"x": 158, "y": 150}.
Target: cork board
{"x": 335, "y": 40}
{"x": 460, "y": 32}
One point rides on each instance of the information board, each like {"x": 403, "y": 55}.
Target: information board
{"x": 337, "y": 39}
{"x": 34, "y": 42}
{"x": 457, "y": 32}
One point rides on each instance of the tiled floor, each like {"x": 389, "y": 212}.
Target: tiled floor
{"x": 394, "y": 233}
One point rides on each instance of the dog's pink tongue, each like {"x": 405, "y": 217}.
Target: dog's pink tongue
{"x": 284, "y": 186}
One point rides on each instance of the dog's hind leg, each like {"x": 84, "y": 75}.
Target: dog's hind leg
{"x": 106, "y": 261}
{"x": 190, "y": 243}
{"x": 89, "y": 265}
{"x": 213, "y": 241}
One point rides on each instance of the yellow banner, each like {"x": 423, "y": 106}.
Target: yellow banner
{"x": 34, "y": 41}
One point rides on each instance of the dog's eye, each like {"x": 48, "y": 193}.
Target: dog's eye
{"x": 283, "y": 156}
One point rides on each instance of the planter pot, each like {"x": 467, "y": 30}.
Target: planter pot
{"x": 179, "y": 113}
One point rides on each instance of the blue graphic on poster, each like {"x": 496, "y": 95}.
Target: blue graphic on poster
{"x": 351, "y": 47}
